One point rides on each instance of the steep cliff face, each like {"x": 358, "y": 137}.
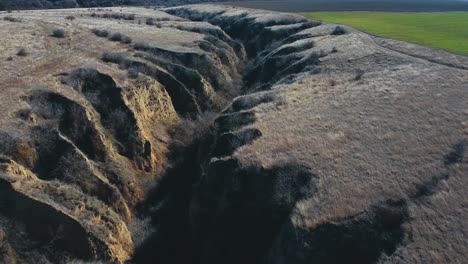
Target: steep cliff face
{"x": 89, "y": 134}
{"x": 225, "y": 135}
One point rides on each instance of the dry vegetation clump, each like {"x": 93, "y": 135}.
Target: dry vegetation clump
{"x": 115, "y": 16}
{"x": 339, "y": 31}
{"x": 112, "y": 57}
{"x": 150, "y": 21}
{"x": 359, "y": 74}
{"x": 101, "y": 33}
{"x": 118, "y": 58}
{"x": 119, "y": 37}
{"x": 22, "y": 52}
{"x": 142, "y": 46}
{"x": 12, "y": 19}
{"x": 188, "y": 131}
{"x": 153, "y": 22}
{"x": 58, "y": 33}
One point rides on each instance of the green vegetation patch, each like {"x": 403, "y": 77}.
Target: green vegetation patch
{"x": 444, "y": 30}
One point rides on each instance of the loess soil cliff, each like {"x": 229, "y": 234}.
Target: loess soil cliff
{"x": 212, "y": 134}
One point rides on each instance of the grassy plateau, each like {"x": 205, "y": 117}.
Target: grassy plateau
{"x": 443, "y": 30}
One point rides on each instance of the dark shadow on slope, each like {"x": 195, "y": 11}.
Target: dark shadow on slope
{"x": 237, "y": 211}
{"x": 107, "y": 98}
{"x": 430, "y": 187}
{"x": 168, "y": 205}
{"x": 456, "y": 154}
{"x": 228, "y": 142}
{"x": 72, "y": 121}
{"x": 363, "y": 238}
{"x": 360, "y": 239}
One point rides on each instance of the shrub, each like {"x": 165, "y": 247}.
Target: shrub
{"x": 150, "y": 21}
{"x": 112, "y": 57}
{"x": 126, "y": 39}
{"x": 11, "y": 19}
{"x": 359, "y": 74}
{"x": 117, "y": 16}
{"x": 141, "y": 46}
{"x": 339, "y": 31}
{"x": 71, "y": 18}
{"x": 58, "y": 33}
{"x": 22, "y": 52}
{"x": 121, "y": 37}
{"x": 101, "y": 33}
{"x": 153, "y": 22}
{"x": 116, "y": 37}
{"x": 189, "y": 130}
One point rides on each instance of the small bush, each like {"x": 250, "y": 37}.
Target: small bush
{"x": 121, "y": 37}
{"x": 22, "y": 52}
{"x": 359, "y": 74}
{"x": 112, "y": 57}
{"x": 141, "y": 46}
{"x": 116, "y": 37}
{"x": 11, "y": 19}
{"x": 126, "y": 40}
{"x": 58, "y": 33}
{"x": 71, "y": 18}
{"x": 339, "y": 31}
{"x": 150, "y": 21}
{"x": 117, "y": 16}
{"x": 101, "y": 33}
{"x": 189, "y": 130}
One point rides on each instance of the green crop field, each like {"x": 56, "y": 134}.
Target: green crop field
{"x": 444, "y": 30}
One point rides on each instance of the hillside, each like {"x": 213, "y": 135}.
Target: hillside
{"x": 211, "y": 134}
{"x": 54, "y": 4}
{"x": 47, "y": 4}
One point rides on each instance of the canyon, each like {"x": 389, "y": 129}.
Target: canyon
{"x": 215, "y": 134}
